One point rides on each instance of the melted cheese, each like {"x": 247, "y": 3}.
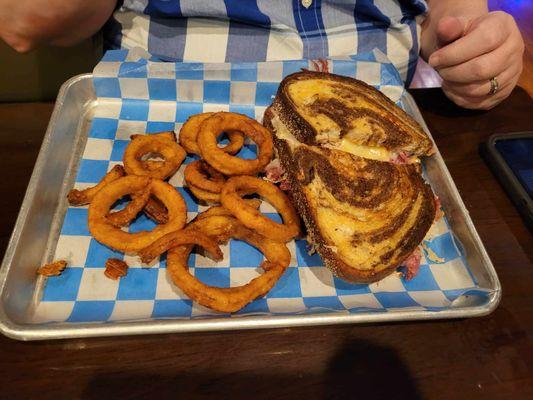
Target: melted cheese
{"x": 370, "y": 152}
{"x": 283, "y": 133}
{"x": 346, "y": 145}
{"x": 304, "y": 92}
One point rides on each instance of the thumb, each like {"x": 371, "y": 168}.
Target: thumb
{"x": 449, "y": 29}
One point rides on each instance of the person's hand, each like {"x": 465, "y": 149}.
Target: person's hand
{"x": 472, "y": 51}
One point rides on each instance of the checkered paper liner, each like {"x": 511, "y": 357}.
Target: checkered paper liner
{"x": 137, "y": 94}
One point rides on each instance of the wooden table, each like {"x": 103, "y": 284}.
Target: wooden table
{"x": 483, "y": 358}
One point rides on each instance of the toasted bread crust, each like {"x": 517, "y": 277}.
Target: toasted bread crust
{"x": 419, "y": 143}
{"x": 329, "y": 257}
{"x": 284, "y": 109}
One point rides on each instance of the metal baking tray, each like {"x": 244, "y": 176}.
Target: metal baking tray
{"x": 41, "y": 215}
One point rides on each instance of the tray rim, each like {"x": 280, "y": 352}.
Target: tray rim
{"x": 64, "y": 330}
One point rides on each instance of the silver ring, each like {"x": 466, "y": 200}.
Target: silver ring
{"x": 494, "y": 86}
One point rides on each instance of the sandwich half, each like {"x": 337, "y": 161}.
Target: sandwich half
{"x": 339, "y": 112}
{"x": 364, "y": 214}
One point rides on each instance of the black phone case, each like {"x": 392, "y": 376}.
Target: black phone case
{"x": 506, "y": 176}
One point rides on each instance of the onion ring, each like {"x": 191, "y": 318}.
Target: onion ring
{"x": 152, "y": 208}
{"x": 113, "y": 237}
{"x": 222, "y": 226}
{"x": 237, "y": 186}
{"x": 203, "y": 176}
{"x": 151, "y": 165}
{"x": 218, "y": 227}
{"x": 172, "y": 153}
{"x": 221, "y": 211}
{"x": 234, "y": 298}
{"x": 128, "y": 213}
{"x": 156, "y": 211}
{"x": 177, "y": 238}
{"x": 204, "y": 195}
{"x": 81, "y": 197}
{"x": 170, "y": 135}
{"x": 225, "y": 163}
{"x": 189, "y": 134}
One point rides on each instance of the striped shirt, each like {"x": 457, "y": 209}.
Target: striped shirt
{"x": 268, "y": 30}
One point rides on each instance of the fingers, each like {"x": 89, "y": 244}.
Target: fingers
{"x": 481, "y": 103}
{"x": 482, "y": 67}
{"x": 482, "y": 36}
{"x": 491, "y": 46}
{"x": 481, "y": 88}
{"x": 450, "y": 29}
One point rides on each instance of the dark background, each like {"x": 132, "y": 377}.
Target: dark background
{"x": 482, "y": 358}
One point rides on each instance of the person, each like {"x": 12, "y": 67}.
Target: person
{"x": 477, "y": 53}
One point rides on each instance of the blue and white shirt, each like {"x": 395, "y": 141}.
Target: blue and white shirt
{"x": 268, "y": 30}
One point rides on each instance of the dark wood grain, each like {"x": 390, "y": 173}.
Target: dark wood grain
{"x": 483, "y": 358}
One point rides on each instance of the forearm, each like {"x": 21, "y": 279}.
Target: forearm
{"x": 443, "y": 8}
{"x": 25, "y": 24}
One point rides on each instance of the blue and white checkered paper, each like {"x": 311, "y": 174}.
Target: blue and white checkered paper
{"x": 140, "y": 95}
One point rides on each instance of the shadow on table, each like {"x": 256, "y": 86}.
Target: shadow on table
{"x": 364, "y": 370}
{"x": 359, "y": 370}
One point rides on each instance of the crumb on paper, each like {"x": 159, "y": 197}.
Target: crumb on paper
{"x": 115, "y": 268}
{"x": 53, "y": 269}
{"x": 431, "y": 255}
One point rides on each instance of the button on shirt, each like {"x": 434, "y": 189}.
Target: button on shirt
{"x": 267, "y": 30}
